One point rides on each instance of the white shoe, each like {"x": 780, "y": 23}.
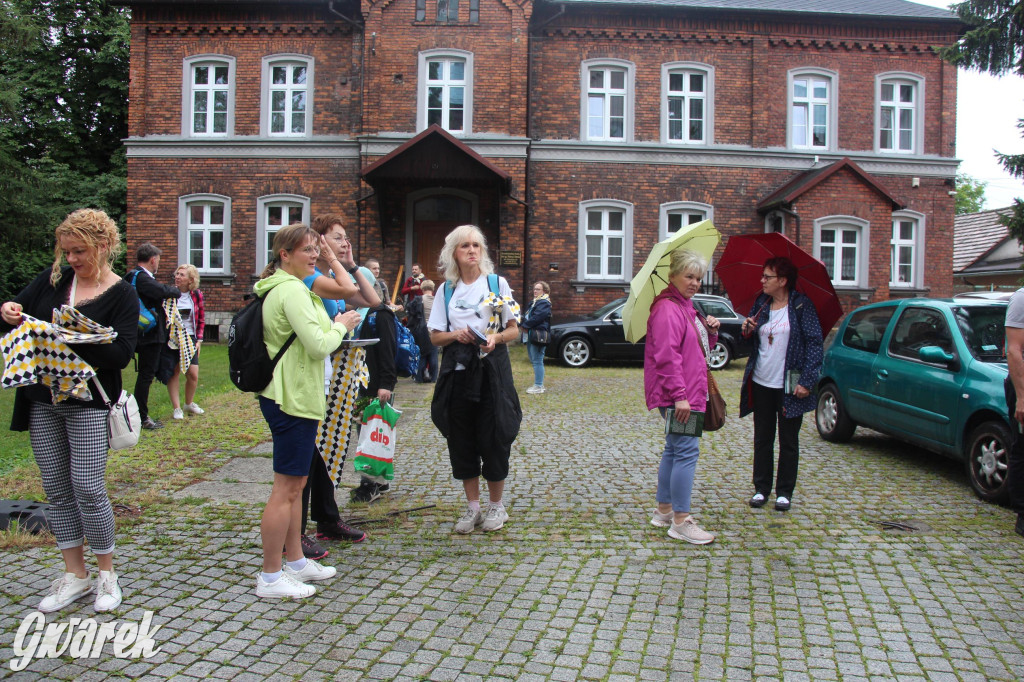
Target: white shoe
{"x": 65, "y": 590}
{"x": 494, "y": 519}
{"x": 689, "y": 531}
{"x": 194, "y": 409}
{"x": 285, "y": 587}
{"x": 662, "y": 520}
{"x": 178, "y": 414}
{"x": 311, "y": 572}
{"x": 535, "y": 389}
{"x": 468, "y": 521}
{"x": 108, "y": 592}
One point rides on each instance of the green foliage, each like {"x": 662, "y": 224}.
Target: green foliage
{"x": 970, "y": 194}
{"x": 63, "y": 114}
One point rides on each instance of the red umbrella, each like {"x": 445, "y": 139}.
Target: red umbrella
{"x": 742, "y": 264}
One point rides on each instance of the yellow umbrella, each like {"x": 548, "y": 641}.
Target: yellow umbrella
{"x": 652, "y": 278}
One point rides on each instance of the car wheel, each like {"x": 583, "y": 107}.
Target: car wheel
{"x": 720, "y": 356}
{"x": 833, "y": 423}
{"x": 988, "y": 450}
{"x": 576, "y": 351}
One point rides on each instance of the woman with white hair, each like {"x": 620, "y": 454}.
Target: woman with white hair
{"x": 675, "y": 376}
{"x": 192, "y": 308}
{"x": 475, "y": 406}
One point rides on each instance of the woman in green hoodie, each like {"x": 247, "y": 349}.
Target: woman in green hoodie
{"x": 293, "y": 403}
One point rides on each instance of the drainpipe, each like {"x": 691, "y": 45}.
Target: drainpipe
{"x": 362, "y": 60}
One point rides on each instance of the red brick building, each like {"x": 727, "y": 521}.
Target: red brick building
{"x": 576, "y": 133}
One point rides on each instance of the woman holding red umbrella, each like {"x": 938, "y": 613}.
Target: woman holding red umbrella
{"x": 781, "y": 373}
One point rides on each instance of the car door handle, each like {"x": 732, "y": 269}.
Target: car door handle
{"x": 883, "y": 374}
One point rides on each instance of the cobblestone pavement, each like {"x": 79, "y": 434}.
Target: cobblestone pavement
{"x": 578, "y": 585}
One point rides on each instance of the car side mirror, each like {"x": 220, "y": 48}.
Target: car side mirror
{"x": 936, "y": 355}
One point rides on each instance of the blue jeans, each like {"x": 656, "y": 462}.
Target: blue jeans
{"x": 537, "y": 358}
{"x": 677, "y": 470}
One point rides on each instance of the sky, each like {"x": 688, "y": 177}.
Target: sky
{"x": 987, "y": 112}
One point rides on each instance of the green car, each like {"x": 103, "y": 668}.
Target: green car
{"x": 926, "y": 371}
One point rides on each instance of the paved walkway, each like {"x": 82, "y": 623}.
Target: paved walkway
{"x": 578, "y": 585}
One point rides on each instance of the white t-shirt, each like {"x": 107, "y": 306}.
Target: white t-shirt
{"x": 185, "y": 306}
{"x": 465, "y": 309}
{"x": 770, "y": 370}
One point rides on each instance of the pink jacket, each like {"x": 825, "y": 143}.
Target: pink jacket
{"x": 674, "y": 365}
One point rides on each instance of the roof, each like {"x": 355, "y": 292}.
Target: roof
{"x": 867, "y": 8}
{"x": 807, "y": 180}
{"x": 975, "y": 234}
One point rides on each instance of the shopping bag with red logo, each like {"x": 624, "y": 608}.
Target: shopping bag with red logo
{"x": 375, "y": 454}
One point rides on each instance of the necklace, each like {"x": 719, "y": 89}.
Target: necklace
{"x": 771, "y": 329}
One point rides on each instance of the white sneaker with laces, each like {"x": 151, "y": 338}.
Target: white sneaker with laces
{"x": 65, "y": 590}
{"x": 662, "y": 520}
{"x": 194, "y": 409}
{"x": 689, "y": 531}
{"x": 108, "y": 592}
{"x": 285, "y": 587}
{"x": 468, "y": 521}
{"x": 312, "y": 571}
{"x": 495, "y": 518}
{"x": 178, "y": 414}
{"x": 535, "y": 389}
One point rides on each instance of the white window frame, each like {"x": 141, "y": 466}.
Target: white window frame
{"x": 917, "y": 243}
{"x": 627, "y": 92}
{"x": 188, "y": 93}
{"x": 685, "y": 208}
{"x": 267, "y": 86}
{"x": 842, "y": 223}
{"x": 830, "y": 101}
{"x": 896, "y": 79}
{"x": 263, "y": 205}
{"x": 447, "y": 55}
{"x": 606, "y": 206}
{"x": 708, "y": 97}
{"x": 772, "y": 215}
{"x": 184, "y": 256}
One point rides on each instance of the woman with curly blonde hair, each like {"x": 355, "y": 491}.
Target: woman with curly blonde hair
{"x": 192, "y": 308}
{"x": 69, "y": 438}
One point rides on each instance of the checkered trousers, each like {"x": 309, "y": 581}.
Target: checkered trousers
{"x": 70, "y": 445}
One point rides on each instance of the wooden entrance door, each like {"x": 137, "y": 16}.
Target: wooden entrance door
{"x": 433, "y": 218}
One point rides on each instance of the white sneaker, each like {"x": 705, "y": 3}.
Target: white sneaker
{"x": 495, "y": 518}
{"x": 285, "y": 587}
{"x": 535, "y": 389}
{"x": 108, "y": 592}
{"x": 662, "y": 520}
{"x": 178, "y": 414}
{"x": 194, "y": 409}
{"x": 312, "y": 571}
{"x": 689, "y": 531}
{"x": 468, "y": 521}
{"x": 65, "y": 590}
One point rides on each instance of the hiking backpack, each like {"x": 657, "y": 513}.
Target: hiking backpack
{"x": 407, "y": 352}
{"x": 249, "y": 362}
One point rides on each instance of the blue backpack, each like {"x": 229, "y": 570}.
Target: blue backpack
{"x": 407, "y": 353}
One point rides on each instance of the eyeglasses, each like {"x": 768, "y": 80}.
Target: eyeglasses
{"x": 311, "y": 250}
{"x": 763, "y": 277}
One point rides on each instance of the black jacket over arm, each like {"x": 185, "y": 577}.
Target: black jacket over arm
{"x": 117, "y": 307}
{"x": 152, "y": 294}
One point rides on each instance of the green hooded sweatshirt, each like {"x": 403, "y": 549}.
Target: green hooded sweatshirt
{"x": 298, "y": 383}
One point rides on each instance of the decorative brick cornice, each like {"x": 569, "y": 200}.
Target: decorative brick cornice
{"x": 852, "y": 45}
{"x": 247, "y": 29}
{"x": 639, "y": 35}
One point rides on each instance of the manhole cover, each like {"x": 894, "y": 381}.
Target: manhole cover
{"x": 911, "y": 526}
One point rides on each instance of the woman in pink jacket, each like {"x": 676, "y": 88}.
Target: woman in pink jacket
{"x": 675, "y": 376}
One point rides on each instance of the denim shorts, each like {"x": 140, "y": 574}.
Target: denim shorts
{"x": 294, "y": 439}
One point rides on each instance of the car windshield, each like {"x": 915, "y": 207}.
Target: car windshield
{"x": 982, "y": 328}
{"x": 606, "y": 308}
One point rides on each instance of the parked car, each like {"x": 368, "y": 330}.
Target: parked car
{"x": 987, "y": 295}
{"x": 600, "y": 335}
{"x": 929, "y": 372}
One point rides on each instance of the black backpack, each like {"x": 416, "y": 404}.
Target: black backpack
{"x": 249, "y": 362}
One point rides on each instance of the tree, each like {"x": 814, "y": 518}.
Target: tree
{"x": 970, "y": 194}
{"x": 63, "y": 114}
{"x": 994, "y": 43}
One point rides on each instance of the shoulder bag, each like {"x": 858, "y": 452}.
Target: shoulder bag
{"x": 715, "y": 412}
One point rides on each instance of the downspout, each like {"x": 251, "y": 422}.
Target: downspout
{"x": 362, "y": 60}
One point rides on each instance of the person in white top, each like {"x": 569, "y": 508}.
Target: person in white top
{"x": 192, "y": 311}
{"x": 475, "y": 405}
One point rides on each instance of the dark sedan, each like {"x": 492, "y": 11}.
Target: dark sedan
{"x": 600, "y": 336}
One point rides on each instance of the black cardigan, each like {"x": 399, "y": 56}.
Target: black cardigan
{"x": 117, "y": 307}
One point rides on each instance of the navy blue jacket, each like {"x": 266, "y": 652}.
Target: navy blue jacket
{"x": 538, "y": 316}
{"x": 804, "y": 352}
